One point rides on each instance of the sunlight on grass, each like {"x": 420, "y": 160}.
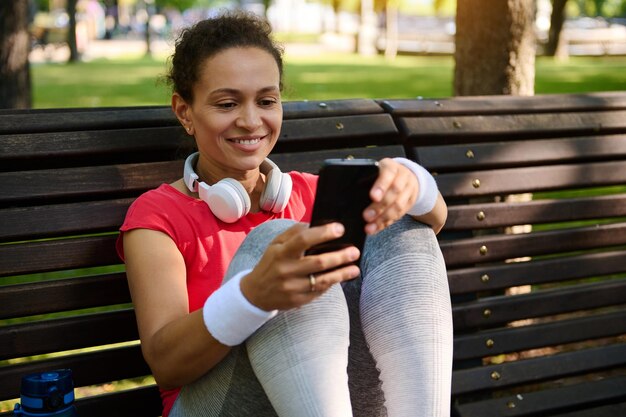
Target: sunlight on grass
{"x": 134, "y": 82}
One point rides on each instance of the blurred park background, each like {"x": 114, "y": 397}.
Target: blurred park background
{"x": 334, "y": 48}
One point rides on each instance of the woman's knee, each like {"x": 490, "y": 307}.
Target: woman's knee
{"x": 404, "y": 237}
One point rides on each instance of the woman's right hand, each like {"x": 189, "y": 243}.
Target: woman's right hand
{"x": 280, "y": 281}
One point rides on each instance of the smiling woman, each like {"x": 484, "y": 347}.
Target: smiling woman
{"x": 235, "y": 317}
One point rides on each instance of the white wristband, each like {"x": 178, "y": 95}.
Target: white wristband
{"x": 229, "y": 316}
{"x": 428, "y": 191}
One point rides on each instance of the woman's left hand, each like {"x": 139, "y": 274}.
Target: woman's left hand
{"x": 393, "y": 194}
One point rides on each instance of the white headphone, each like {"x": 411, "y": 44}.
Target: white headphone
{"x": 227, "y": 198}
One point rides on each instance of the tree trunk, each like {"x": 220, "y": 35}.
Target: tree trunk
{"x": 71, "y": 31}
{"x": 495, "y": 47}
{"x": 391, "y": 30}
{"x": 366, "y": 38}
{"x": 557, "y": 18}
{"x": 15, "y": 85}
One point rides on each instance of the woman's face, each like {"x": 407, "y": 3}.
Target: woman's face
{"x": 237, "y": 112}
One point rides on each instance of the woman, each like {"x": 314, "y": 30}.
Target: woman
{"x": 230, "y": 309}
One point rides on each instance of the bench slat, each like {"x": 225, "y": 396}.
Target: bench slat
{"x": 534, "y": 212}
{"x": 93, "y": 182}
{"x": 534, "y": 336}
{"x": 62, "y": 295}
{"x": 91, "y": 368}
{"x": 314, "y": 159}
{"x": 611, "y": 410}
{"x": 138, "y": 402}
{"x": 495, "y": 311}
{"x": 539, "y": 369}
{"x": 69, "y": 144}
{"x": 51, "y": 255}
{"x": 332, "y": 108}
{"x": 531, "y": 179}
{"x": 378, "y": 128}
{"x": 554, "y": 400}
{"x": 21, "y": 223}
{"x": 486, "y": 278}
{"x": 87, "y": 330}
{"x": 521, "y": 153}
{"x": 506, "y": 104}
{"x": 67, "y": 120}
{"x": 464, "y": 252}
{"x": 426, "y": 131}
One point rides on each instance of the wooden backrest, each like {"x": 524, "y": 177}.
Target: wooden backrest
{"x": 539, "y": 309}
{"x": 67, "y": 178}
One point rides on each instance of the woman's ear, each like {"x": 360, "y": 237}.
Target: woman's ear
{"x": 181, "y": 110}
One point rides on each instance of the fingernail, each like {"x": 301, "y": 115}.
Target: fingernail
{"x": 338, "y": 228}
{"x": 354, "y": 254}
{"x": 370, "y": 229}
{"x": 377, "y": 194}
{"x": 369, "y": 214}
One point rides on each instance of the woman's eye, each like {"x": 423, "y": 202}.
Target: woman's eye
{"x": 227, "y": 105}
{"x": 267, "y": 102}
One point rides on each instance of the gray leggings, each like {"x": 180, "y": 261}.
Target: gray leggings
{"x": 380, "y": 347}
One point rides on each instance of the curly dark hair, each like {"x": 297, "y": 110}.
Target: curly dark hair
{"x": 206, "y": 38}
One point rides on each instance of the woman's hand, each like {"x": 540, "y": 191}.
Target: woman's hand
{"x": 393, "y": 194}
{"x": 281, "y": 279}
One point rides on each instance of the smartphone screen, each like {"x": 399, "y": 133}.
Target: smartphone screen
{"x": 342, "y": 195}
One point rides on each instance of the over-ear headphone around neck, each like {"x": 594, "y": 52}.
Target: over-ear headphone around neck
{"x": 227, "y": 198}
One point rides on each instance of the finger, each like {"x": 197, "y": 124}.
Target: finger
{"x": 387, "y": 172}
{"x": 319, "y": 263}
{"x": 321, "y": 282}
{"x": 399, "y": 198}
{"x": 396, "y": 196}
{"x": 308, "y": 237}
{"x": 289, "y": 233}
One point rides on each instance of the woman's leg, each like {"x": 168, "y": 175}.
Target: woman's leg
{"x": 406, "y": 317}
{"x": 294, "y": 365}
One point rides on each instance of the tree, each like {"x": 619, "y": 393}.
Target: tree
{"x": 71, "y": 31}
{"x": 15, "y": 85}
{"x": 495, "y": 47}
{"x": 557, "y": 18}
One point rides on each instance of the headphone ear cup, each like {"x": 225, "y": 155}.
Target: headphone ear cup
{"x": 227, "y": 199}
{"x": 270, "y": 192}
{"x": 275, "y": 196}
{"x": 284, "y": 193}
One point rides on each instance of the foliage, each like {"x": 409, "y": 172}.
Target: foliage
{"x": 605, "y": 8}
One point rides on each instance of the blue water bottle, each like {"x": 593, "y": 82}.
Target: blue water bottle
{"x": 47, "y": 394}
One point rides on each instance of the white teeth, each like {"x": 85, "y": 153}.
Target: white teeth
{"x": 247, "y": 141}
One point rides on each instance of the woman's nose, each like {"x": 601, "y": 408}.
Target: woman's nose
{"x": 249, "y": 118}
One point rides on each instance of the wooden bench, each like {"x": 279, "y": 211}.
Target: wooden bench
{"x": 539, "y": 315}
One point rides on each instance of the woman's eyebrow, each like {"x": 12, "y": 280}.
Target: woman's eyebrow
{"x": 234, "y": 91}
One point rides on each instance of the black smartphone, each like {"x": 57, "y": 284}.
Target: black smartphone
{"x": 342, "y": 195}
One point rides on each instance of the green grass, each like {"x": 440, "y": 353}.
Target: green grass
{"x": 129, "y": 82}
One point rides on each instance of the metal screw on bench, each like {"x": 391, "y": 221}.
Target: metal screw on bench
{"x": 47, "y": 394}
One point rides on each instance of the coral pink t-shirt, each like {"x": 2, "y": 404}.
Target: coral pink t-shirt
{"x": 206, "y": 243}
